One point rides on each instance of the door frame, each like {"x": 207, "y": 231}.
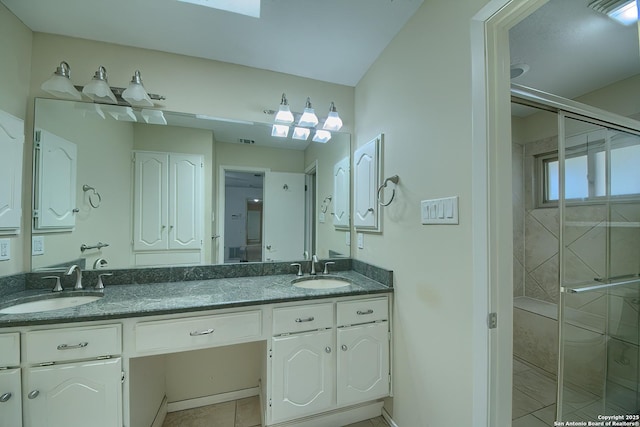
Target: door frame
{"x": 222, "y": 170}
{"x": 310, "y": 204}
{"x": 492, "y": 235}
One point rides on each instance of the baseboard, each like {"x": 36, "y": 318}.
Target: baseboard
{"x": 212, "y": 400}
{"x": 161, "y": 414}
{"x": 388, "y": 418}
{"x": 338, "y": 417}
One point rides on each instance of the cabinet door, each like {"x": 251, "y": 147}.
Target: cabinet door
{"x": 74, "y": 395}
{"x": 283, "y": 216}
{"x": 150, "y": 204}
{"x": 303, "y": 372}
{"x": 10, "y": 398}
{"x": 341, "y": 183}
{"x": 185, "y": 206}
{"x": 363, "y": 363}
{"x": 11, "y": 147}
{"x": 365, "y": 185}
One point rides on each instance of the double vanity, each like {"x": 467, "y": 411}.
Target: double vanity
{"x": 324, "y": 344}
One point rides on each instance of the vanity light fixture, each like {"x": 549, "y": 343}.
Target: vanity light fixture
{"x": 333, "y": 122}
{"x": 135, "y": 94}
{"x": 98, "y": 88}
{"x": 321, "y": 136}
{"x": 284, "y": 114}
{"x": 281, "y": 131}
{"x": 59, "y": 84}
{"x": 301, "y": 133}
{"x": 153, "y": 117}
{"x": 308, "y": 118}
{"x": 122, "y": 114}
{"x": 623, "y": 11}
{"x": 87, "y": 109}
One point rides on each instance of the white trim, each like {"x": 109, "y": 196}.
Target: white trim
{"x": 213, "y": 399}
{"x": 161, "y": 414}
{"x": 388, "y": 418}
{"x": 337, "y": 417}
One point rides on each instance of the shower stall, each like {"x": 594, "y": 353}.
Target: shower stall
{"x": 577, "y": 256}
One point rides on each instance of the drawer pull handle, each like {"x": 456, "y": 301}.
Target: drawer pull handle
{"x": 5, "y": 397}
{"x": 327, "y": 349}
{"x": 344, "y": 347}
{"x": 362, "y": 313}
{"x": 33, "y": 394}
{"x": 308, "y": 319}
{"x": 73, "y": 347}
{"x": 198, "y": 333}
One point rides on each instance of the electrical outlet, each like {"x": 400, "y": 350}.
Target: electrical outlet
{"x": 37, "y": 245}
{"x": 360, "y": 241}
{"x": 321, "y": 218}
{"x": 5, "y": 249}
{"x": 348, "y": 238}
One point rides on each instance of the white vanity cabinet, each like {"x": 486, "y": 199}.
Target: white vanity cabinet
{"x": 302, "y": 361}
{"x": 10, "y": 386}
{"x": 59, "y": 389}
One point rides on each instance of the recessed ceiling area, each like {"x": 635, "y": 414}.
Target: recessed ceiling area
{"x": 329, "y": 40}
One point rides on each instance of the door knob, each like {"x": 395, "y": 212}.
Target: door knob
{"x": 268, "y": 247}
{"x": 4, "y": 397}
{"x": 33, "y": 394}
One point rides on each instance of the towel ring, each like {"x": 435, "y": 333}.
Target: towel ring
{"x": 325, "y": 204}
{"x": 394, "y": 179}
{"x": 94, "y": 198}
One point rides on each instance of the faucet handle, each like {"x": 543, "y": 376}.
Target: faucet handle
{"x": 58, "y": 286}
{"x": 326, "y": 267}
{"x": 297, "y": 264}
{"x": 100, "y": 285}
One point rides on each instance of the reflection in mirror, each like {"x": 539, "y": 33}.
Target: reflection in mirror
{"x": 153, "y": 194}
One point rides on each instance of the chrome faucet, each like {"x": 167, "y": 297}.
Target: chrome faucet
{"x": 99, "y": 263}
{"x": 314, "y": 259}
{"x": 78, "y": 271}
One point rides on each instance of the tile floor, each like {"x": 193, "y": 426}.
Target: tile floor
{"x": 238, "y": 413}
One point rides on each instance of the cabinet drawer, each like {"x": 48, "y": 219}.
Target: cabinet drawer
{"x": 9, "y": 350}
{"x": 198, "y": 332}
{"x": 73, "y": 343}
{"x": 302, "y": 318}
{"x": 362, "y": 311}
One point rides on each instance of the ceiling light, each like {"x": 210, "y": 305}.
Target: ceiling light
{"x": 300, "y": 133}
{"x": 284, "y": 114}
{"x": 135, "y": 94}
{"x": 59, "y": 85}
{"x": 308, "y": 118}
{"x": 623, "y": 11}
{"x": 244, "y": 7}
{"x": 517, "y": 70}
{"x": 153, "y": 117}
{"x": 333, "y": 122}
{"x": 98, "y": 89}
{"x": 280, "y": 131}
{"x": 321, "y": 136}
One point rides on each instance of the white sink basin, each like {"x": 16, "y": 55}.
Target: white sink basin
{"x": 48, "y": 303}
{"x": 320, "y": 282}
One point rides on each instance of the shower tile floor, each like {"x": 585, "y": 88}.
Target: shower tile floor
{"x": 237, "y": 413}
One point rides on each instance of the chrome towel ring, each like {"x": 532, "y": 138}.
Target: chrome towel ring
{"x": 94, "y": 197}
{"x": 394, "y": 179}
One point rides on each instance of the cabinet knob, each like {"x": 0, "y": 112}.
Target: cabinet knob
{"x": 33, "y": 394}
{"x": 327, "y": 349}
{"x": 5, "y": 397}
{"x": 344, "y": 347}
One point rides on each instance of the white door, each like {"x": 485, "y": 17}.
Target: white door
{"x": 283, "y": 216}
{"x": 57, "y": 163}
{"x": 11, "y": 147}
{"x": 363, "y": 363}
{"x": 303, "y": 372}
{"x": 150, "y": 205}
{"x": 74, "y": 395}
{"x": 185, "y": 201}
{"x": 341, "y": 193}
{"x": 10, "y": 398}
{"x": 365, "y": 179}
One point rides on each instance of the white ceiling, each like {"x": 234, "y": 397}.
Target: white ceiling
{"x": 329, "y": 40}
{"x": 572, "y": 49}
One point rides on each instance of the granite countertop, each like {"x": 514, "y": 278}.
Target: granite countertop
{"x": 125, "y": 301}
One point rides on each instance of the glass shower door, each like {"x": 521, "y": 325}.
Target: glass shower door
{"x": 599, "y": 215}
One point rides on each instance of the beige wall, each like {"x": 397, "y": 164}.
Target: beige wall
{"x": 418, "y": 93}
{"x": 15, "y": 68}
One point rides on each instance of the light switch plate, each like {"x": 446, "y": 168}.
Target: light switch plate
{"x": 439, "y": 211}
{"x": 360, "y": 241}
{"x": 5, "y": 249}
{"x": 37, "y": 245}
{"x": 348, "y": 238}
{"x": 321, "y": 217}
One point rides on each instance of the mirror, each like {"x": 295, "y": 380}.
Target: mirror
{"x": 140, "y": 188}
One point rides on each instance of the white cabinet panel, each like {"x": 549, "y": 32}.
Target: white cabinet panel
{"x": 9, "y": 350}
{"x": 11, "y": 147}
{"x": 10, "y": 398}
{"x": 56, "y": 160}
{"x": 77, "y": 394}
{"x": 363, "y": 363}
{"x": 365, "y": 180}
{"x": 185, "y": 190}
{"x": 303, "y": 374}
{"x": 341, "y": 192}
{"x": 151, "y": 201}
{"x": 283, "y": 216}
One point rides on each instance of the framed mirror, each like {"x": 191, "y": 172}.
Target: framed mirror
{"x": 140, "y": 188}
